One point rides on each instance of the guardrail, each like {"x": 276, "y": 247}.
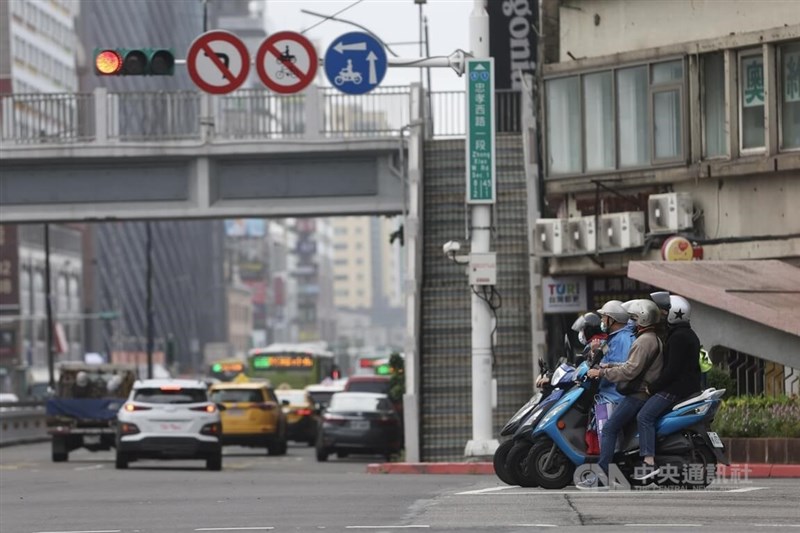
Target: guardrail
{"x": 247, "y": 114}
{"x": 21, "y": 423}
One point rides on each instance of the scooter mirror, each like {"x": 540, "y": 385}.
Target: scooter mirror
{"x": 568, "y": 352}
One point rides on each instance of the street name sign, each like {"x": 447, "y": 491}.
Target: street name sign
{"x": 218, "y": 62}
{"x": 355, "y": 63}
{"x": 480, "y": 146}
{"x": 286, "y": 62}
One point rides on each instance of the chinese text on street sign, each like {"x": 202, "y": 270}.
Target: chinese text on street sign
{"x": 480, "y": 131}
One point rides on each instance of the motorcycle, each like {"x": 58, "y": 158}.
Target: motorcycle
{"x": 512, "y": 470}
{"x": 683, "y": 441}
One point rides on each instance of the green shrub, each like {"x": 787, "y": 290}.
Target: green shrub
{"x": 720, "y": 379}
{"x": 759, "y": 416}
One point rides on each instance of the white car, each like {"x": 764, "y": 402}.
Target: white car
{"x": 169, "y": 419}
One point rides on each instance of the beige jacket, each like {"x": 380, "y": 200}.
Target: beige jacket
{"x": 642, "y": 350}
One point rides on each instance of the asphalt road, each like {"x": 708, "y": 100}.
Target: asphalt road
{"x": 255, "y": 492}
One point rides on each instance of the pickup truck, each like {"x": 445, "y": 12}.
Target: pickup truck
{"x": 83, "y": 412}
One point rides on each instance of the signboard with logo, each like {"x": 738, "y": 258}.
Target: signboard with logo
{"x": 513, "y": 40}
{"x": 480, "y": 146}
{"x": 565, "y": 294}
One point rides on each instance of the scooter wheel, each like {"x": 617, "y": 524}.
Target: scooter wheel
{"x": 500, "y": 456}
{"x": 549, "y": 466}
{"x": 517, "y": 465}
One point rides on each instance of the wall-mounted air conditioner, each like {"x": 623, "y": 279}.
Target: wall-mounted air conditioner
{"x": 582, "y": 237}
{"x": 550, "y": 237}
{"x": 620, "y": 231}
{"x": 669, "y": 212}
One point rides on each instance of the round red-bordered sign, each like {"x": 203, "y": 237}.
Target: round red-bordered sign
{"x": 286, "y": 62}
{"x": 218, "y": 62}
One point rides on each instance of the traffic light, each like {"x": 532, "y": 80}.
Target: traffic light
{"x": 134, "y": 62}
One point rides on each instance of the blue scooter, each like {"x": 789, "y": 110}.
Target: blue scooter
{"x": 683, "y": 441}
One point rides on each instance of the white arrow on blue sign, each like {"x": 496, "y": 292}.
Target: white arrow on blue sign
{"x": 355, "y": 63}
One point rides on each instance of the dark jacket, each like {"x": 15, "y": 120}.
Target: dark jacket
{"x": 681, "y": 373}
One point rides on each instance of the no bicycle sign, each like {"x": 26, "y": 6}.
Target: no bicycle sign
{"x": 286, "y": 62}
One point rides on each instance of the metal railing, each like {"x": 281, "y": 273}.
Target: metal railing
{"x": 318, "y": 112}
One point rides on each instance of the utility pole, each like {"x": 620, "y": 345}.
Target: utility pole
{"x": 49, "y": 310}
{"x": 149, "y": 303}
{"x": 482, "y": 443}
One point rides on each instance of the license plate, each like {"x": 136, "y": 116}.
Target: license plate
{"x": 91, "y": 439}
{"x": 171, "y": 426}
{"x": 715, "y": 440}
{"x": 359, "y": 424}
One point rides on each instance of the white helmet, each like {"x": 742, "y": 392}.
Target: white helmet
{"x": 614, "y": 309}
{"x": 646, "y": 313}
{"x": 82, "y": 378}
{"x": 632, "y": 306}
{"x": 679, "y": 310}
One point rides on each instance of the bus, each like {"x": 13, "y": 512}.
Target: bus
{"x": 226, "y": 369}
{"x": 296, "y": 365}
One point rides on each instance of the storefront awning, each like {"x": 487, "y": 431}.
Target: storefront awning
{"x": 750, "y": 306}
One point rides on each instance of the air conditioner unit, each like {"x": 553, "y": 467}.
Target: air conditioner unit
{"x": 620, "y": 231}
{"x": 582, "y": 237}
{"x": 669, "y": 212}
{"x": 550, "y": 237}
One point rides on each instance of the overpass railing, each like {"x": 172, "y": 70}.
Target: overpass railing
{"x": 248, "y": 114}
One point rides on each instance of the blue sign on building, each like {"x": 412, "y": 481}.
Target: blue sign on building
{"x": 355, "y": 63}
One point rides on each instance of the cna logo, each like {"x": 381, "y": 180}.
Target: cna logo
{"x": 592, "y": 477}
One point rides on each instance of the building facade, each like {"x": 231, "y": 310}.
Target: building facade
{"x": 677, "y": 140}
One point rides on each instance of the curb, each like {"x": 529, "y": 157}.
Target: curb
{"x": 739, "y": 471}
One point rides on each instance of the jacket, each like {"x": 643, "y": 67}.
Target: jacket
{"x": 619, "y": 344}
{"x": 644, "y": 348}
{"x": 681, "y": 373}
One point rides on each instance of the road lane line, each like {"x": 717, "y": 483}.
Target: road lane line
{"x": 484, "y": 491}
{"x": 386, "y": 527}
{"x": 84, "y": 531}
{"x": 534, "y": 525}
{"x": 493, "y": 492}
{"x": 92, "y": 467}
{"x": 747, "y": 489}
{"x": 663, "y": 525}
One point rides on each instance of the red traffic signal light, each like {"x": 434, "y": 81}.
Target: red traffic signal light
{"x": 134, "y": 62}
{"x": 107, "y": 62}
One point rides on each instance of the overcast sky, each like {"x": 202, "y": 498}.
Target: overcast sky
{"x": 394, "y": 21}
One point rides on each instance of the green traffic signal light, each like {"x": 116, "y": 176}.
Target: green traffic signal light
{"x": 134, "y": 62}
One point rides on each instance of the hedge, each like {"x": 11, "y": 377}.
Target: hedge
{"x": 759, "y": 416}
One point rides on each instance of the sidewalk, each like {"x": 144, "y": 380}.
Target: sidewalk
{"x": 740, "y": 471}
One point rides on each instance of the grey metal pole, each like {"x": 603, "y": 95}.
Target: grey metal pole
{"x": 49, "y": 311}
{"x": 482, "y": 443}
{"x": 149, "y": 304}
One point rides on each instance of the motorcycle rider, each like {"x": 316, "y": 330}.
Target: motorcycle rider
{"x": 679, "y": 379}
{"x": 614, "y": 321}
{"x": 645, "y": 356}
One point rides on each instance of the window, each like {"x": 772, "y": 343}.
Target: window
{"x": 713, "y": 106}
{"x": 634, "y": 136}
{"x": 598, "y": 113}
{"x": 563, "y": 126}
{"x": 790, "y": 95}
{"x": 667, "y": 79}
{"x": 751, "y": 98}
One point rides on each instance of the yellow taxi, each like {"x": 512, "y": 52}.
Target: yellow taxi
{"x": 301, "y": 414}
{"x": 251, "y": 416}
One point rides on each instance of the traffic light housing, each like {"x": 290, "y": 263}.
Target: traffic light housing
{"x": 134, "y": 62}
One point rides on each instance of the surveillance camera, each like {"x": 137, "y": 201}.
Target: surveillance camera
{"x": 451, "y": 247}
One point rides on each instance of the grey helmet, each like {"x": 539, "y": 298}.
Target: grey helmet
{"x": 679, "y": 310}
{"x": 662, "y": 299}
{"x": 614, "y": 309}
{"x": 646, "y": 314}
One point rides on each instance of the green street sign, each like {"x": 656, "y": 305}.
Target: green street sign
{"x": 480, "y": 131}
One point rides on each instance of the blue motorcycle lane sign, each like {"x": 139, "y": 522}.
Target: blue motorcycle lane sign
{"x": 355, "y": 63}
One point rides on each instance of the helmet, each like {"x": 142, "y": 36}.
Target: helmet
{"x": 679, "y": 310}
{"x": 578, "y": 324}
{"x": 662, "y": 299}
{"x": 591, "y": 325}
{"x": 646, "y": 313}
{"x": 614, "y": 309}
{"x": 82, "y": 379}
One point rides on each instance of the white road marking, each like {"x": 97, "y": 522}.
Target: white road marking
{"x": 534, "y": 525}
{"x": 775, "y": 525}
{"x": 746, "y": 489}
{"x": 484, "y": 491}
{"x": 92, "y": 467}
{"x": 493, "y": 492}
{"x": 663, "y": 525}
{"x": 247, "y": 528}
{"x": 83, "y": 531}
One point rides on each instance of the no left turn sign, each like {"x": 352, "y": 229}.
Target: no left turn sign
{"x": 218, "y": 62}
{"x": 286, "y": 62}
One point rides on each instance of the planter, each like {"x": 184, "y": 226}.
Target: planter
{"x": 775, "y": 450}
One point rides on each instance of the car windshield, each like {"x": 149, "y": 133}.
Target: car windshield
{"x": 170, "y": 396}
{"x": 236, "y": 395}
{"x": 358, "y": 403}
{"x": 295, "y": 397}
{"x": 381, "y": 387}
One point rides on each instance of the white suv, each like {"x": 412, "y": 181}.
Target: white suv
{"x": 169, "y": 419}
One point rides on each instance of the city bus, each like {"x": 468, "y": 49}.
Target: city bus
{"x": 227, "y": 369}
{"x": 296, "y": 365}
